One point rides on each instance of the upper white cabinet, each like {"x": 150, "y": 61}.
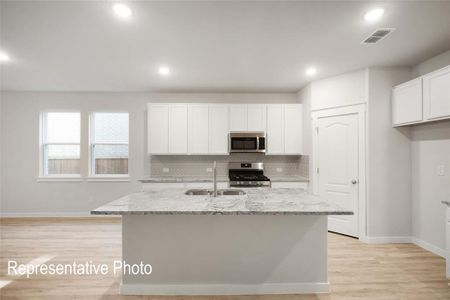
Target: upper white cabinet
{"x": 423, "y": 99}
{"x": 198, "y": 128}
{"x": 293, "y": 128}
{"x": 256, "y": 117}
{"x": 407, "y": 102}
{"x": 284, "y": 129}
{"x": 238, "y": 117}
{"x": 178, "y": 129}
{"x": 248, "y": 117}
{"x": 158, "y": 128}
{"x": 218, "y": 129}
{"x": 436, "y": 94}
{"x": 167, "y": 128}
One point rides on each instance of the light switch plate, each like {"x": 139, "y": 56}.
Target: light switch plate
{"x": 279, "y": 170}
{"x": 166, "y": 170}
{"x": 208, "y": 170}
{"x": 440, "y": 170}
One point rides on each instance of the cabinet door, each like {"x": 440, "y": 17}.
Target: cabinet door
{"x": 436, "y": 94}
{"x": 407, "y": 102}
{"x": 158, "y": 128}
{"x": 275, "y": 129}
{"x": 178, "y": 132}
{"x": 293, "y": 129}
{"x": 256, "y": 117}
{"x": 218, "y": 129}
{"x": 198, "y": 128}
{"x": 238, "y": 117}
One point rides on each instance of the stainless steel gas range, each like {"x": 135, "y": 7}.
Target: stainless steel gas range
{"x": 247, "y": 174}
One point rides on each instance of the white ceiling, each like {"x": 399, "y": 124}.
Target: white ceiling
{"x": 209, "y": 46}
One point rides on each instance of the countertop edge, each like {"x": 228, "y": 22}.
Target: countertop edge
{"x": 228, "y": 213}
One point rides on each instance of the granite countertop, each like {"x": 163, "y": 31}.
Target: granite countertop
{"x": 446, "y": 202}
{"x": 169, "y": 179}
{"x": 257, "y": 201}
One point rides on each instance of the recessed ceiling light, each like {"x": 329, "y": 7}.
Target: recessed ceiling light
{"x": 374, "y": 14}
{"x": 122, "y": 10}
{"x": 164, "y": 71}
{"x": 311, "y": 71}
{"x": 4, "y": 57}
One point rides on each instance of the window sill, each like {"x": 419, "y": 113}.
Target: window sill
{"x": 59, "y": 179}
{"x": 111, "y": 178}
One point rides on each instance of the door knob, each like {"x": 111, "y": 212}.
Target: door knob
{"x": 354, "y": 181}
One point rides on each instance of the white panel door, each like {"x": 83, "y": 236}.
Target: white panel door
{"x": 338, "y": 169}
{"x": 238, "y": 117}
{"x": 293, "y": 128}
{"x": 158, "y": 128}
{"x": 198, "y": 128}
{"x": 218, "y": 129}
{"x": 275, "y": 129}
{"x": 256, "y": 117}
{"x": 407, "y": 102}
{"x": 178, "y": 129}
{"x": 436, "y": 94}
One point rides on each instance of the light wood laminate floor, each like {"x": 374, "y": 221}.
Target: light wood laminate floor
{"x": 356, "y": 270}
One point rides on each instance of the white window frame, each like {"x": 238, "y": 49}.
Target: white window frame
{"x": 42, "y": 144}
{"x": 91, "y": 165}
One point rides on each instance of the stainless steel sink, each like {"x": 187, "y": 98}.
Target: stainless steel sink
{"x": 204, "y": 192}
{"x": 197, "y": 192}
{"x": 231, "y": 192}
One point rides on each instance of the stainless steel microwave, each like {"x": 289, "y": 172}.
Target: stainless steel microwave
{"x": 249, "y": 141}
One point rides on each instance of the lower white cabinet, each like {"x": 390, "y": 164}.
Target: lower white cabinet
{"x": 448, "y": 241}
{"x": 436, "y": 94}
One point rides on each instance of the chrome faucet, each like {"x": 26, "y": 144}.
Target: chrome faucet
{"x": 215, "y": 179}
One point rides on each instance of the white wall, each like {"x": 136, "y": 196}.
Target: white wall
{"x": 21, "y": 192}
{"x": 430, "y": 148}
{"x": 345, "y": 89}
{"x": 389, "y": 159}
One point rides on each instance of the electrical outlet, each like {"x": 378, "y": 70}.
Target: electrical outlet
{"x": 440, "y": 170}
{"x": 279, "y": 170}
{"x": 208, "y": 170}
{"x": 166, "y": 170}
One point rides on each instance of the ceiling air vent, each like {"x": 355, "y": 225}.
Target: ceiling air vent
{"x": 378, "y": 35}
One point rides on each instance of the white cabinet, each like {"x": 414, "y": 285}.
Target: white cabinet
{"x": 284, "y": 129}
{"x": 178, "y": 129}
{"x": 256, "y": 117}
{"x": 293, "y": 129}
{"x": 248, "y": 117}
{"x": 238, "y": 117}
{"x": 158, "y": 128}
{"x": 436, "y": 94}
{"x": 407, "y": 102}
{"x": 423, "y": 99}
{"x": 218, "y": 129}
{"x": 198, "y": 128}
{"x": 275, "y": 129}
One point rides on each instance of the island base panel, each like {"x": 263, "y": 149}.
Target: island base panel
{"x": 219, "y": 255}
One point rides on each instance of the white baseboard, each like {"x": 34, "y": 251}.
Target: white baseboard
{"x": 387, "y": 239}
{"x": 45, "y": 214}
{"x": 224, "y": 289}
{"x": 429, "y": 247}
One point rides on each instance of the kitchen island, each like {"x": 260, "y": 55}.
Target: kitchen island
{"x": 264, "y": 242}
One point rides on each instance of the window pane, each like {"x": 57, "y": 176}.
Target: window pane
{"x": 62, "y": 159}
{"x": 62, "y": 127}
{"x": 110, "y": 128}
{"x": 110, "y": 159}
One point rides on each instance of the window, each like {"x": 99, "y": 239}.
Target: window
{"x": 109, "y": 144}
{"x": 60, "y": 143}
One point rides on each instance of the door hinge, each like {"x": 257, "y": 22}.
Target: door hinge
{"x": 317, "y": 170}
